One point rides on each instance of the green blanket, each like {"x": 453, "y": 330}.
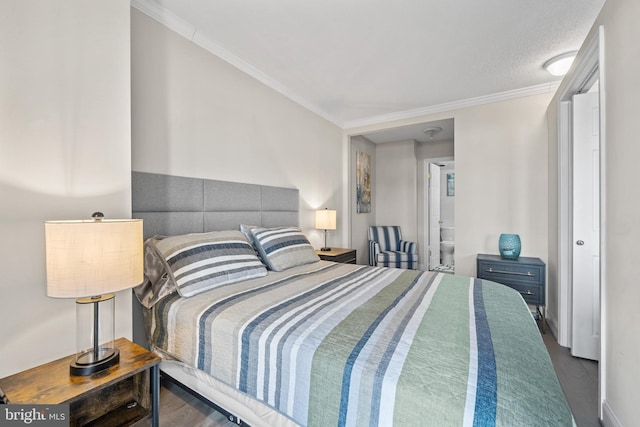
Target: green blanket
{"x": 335, "y": 344}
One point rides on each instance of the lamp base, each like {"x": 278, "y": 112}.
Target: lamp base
{"x": 86, "y": 365}
{"x": 325, "y": 249}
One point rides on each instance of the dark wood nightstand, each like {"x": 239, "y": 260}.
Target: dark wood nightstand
{"x": 525, "y": 275}
{"x": 345, "y": 256}
{"x": 120, "y": 395}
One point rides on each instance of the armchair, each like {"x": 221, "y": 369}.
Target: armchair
{"x": 387, "y": 249}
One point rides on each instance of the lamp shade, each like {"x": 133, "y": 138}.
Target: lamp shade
{"x": 93, "y": 257}
{"x": 326, "y": 219}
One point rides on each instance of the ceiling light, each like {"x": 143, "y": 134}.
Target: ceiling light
{"x": 432, "y": 131}
{"x": 559, "y": 65}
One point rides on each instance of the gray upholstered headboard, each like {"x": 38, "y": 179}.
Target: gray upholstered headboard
{"x": 171, "y": 205}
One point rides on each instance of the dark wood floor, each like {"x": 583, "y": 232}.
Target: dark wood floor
{"x": 578, "y": 378}
{"x": 179, "y": 408}
{"x": 579, "y": 381}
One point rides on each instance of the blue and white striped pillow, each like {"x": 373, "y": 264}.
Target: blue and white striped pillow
{"x": 283, "y": 247}
{"x": 202, "y": 261}
{"x": 246, "y": 230}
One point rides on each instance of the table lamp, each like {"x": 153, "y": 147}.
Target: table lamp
{"x": 90, "y": 260}
{"x": 325, "y": 220}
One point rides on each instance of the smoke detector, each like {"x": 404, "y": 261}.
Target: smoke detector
{"x": 432, "y": 131}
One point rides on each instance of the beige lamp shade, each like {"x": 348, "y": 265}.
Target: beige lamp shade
{"x": 326, "y": 219}
{"x": 93, "y": 257}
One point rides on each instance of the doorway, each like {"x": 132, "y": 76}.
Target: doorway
{"x": 586, "y": 71}
{"x": 397, "y": 158}
{"x": 439, "y": 198}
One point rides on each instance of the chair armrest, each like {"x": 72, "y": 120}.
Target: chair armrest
{"x": 408, "y": 247}
{"x": 374, "y": 250}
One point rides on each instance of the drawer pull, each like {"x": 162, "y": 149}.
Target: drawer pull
{"x": 527, "y": 292}
{"x": 515, "y": 273}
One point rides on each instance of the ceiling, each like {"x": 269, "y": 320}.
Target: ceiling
{"x": 414, "y": 132}
{"x": 358, "y": 62}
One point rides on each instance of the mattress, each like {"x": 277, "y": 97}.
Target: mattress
{"x": 340, "y": 344}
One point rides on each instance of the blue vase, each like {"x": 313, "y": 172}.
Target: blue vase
{"x": 509, "y": 246}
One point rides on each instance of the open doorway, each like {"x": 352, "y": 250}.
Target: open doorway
{"x": 397, "y": 177}
{"x": 439, "y": 240}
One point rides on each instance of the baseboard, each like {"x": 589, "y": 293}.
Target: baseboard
{"x": 552, "y": 323}
{"x": 609, "y": 418}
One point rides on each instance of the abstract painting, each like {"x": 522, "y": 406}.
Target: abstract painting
{"x": 363, "y": 182}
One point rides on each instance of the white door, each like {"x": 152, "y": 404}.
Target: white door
{"x": 434, "y": 216}
{"x": 586, "y": 226}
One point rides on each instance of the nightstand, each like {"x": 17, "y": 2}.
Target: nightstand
{"x": 526, "y": 275}
{"x": 345, "y": 256}
{"x": 120, "y": 395}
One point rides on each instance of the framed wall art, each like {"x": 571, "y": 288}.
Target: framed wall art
{"x": 363, "y": 182}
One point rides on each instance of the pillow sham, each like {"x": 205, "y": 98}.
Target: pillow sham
{"x": 157, "y": 284}
{"x": 283, "y": 247}
{"x": 202, "y": 261}
{"x": 246, "y": 230}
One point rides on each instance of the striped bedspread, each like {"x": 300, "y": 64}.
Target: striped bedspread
{"x": 338, "y": 344}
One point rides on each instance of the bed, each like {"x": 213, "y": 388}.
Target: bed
{"x": 288, "y": 340}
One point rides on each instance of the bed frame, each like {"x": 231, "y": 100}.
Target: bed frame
{"x": 172, "y": 205}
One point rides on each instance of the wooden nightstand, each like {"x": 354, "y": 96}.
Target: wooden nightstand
{"x": 345, "y": 256}
{"x": 525, "y": 275}
{"x": 120, "y": 395}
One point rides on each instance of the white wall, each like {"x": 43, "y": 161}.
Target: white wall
{"x": 360, "y": 222}
{"x": 396, "y": 191}
{"x": 501, "y": 175}
{"x": 501, "y": 178}
{"x": 64, "y": 154}
{"x": 622, "y": 316}
{"x": 620, "y": 290}
{"x": 195, "y": 115}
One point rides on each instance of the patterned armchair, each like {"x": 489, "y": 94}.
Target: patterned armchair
{"x": 387, "y": 249}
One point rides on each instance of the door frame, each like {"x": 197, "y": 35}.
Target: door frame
{"x": 587, "y": 68}
{"x": 433, "y": 191}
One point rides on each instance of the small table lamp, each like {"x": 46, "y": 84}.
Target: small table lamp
{"x": 325, "y": 220}
{"x": 90, "y": 260}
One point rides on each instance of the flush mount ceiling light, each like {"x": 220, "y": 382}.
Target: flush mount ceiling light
{"x": 432, "y": 131}
{"x": 559, "y": 65}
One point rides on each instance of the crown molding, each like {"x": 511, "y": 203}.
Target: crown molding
{"x": 190, "y": 32}
{"x": 456, "y": 105}
{"x": 165, "y": 17}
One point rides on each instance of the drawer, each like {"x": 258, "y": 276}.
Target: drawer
{"x": 532, "y": 294}
{"x": 347, "y": 258}
{"x": 526, "y": 275}
{"x": 511, "y": 273}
